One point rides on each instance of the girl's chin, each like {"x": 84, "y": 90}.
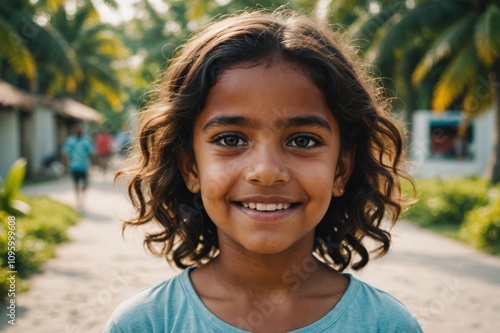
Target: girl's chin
{"x": 268, "y": 244}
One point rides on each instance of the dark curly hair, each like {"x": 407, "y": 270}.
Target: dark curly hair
{"x": 186, "y": 236}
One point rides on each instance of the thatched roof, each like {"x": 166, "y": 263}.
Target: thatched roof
{"x": 12, "y": 97}
{"x": 68, "y": 107}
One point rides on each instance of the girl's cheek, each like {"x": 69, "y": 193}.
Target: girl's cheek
{"x": 218, "y": 176}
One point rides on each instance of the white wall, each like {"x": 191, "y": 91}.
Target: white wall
{"x": 44, "y": 137}
{"x": 10, "y": 145}
{"x": 423, "y": 166}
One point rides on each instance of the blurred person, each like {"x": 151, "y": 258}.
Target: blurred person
{"x": 122, "y": 141}
{"x": 77, "y": 150}
{"x": 103, "y": 145}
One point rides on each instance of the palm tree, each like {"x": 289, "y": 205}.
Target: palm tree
{"x": 96, "y": 47}
{"x": 455, "y": 43}
{"x": 25, "y": 45}
{"x": 62, "y": 54}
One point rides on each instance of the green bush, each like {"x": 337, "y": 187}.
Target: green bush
{"x": 37, "y": 235}
{"x": 481, "y": 227}
{"x": 10, "y": 187}
{"x": 446, "y": 201}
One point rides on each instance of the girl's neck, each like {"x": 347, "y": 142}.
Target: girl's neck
{"x": 290, "y": 290}
{"x": 256, "y": 275}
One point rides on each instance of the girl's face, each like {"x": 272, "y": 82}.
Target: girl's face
{"x": 267, "y": 158}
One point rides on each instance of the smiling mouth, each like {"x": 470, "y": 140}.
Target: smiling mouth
{"x": 266, "y": 207}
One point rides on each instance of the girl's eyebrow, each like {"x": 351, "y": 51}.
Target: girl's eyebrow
{"x": 228, "y": 120}
{"x": 298, "y": 121}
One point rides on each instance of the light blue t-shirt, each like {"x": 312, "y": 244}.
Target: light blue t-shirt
{"x": 174, "y": 306}
{"x": 78, "y": 150}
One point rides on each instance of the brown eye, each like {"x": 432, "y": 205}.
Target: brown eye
{"x": 304, "y": 141}
{"x": 230, "y": 140}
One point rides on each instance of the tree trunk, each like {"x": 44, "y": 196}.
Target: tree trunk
{"x": 493, "y": 169}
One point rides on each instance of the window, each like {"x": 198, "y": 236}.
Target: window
{"x": 446, "y": 141}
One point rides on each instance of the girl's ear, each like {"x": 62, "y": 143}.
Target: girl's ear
{"x": 345, "y": 165}
{"x": 189, "y": 170}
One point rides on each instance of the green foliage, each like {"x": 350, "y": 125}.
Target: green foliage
{"x": 55, "y": 50}
{"x": 36, "y": 237}
{"x": 449, "y": 34}
{"x": 467, "y": 209}
{"x": 446, "y": 201}
{"x": 96, "y": 48}
{"x": 443, "y": 51}
{"x": 481, "y": 227}
{"x": 9, "y": 189}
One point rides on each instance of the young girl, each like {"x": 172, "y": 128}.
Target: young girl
{"x": 265, "y": 161}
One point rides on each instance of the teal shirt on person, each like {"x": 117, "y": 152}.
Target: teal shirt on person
{"x": 78, "y": 151}
{"x": 174, "y": 306}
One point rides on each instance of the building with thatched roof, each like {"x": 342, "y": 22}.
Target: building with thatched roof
{"x": 36, "y": 127}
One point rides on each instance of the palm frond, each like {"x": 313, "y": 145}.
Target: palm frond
{"x": 93, "y": 67}
{"x": 86, "y": 14}
{"x": 95, "y": 29}
{"x": 65, "y": 52}
{"x": 446, "y": 44}
{"x": 479, "y": 95}
{"x": 103, "y": 42}
{"x": 457, "y": 75}
{"x": 343, "y": 11}
{"x": 487, "y": 35}
{"x": 56, "y": 81}
{"x": 366, "y": 27}
{"x": 427, "y": 18}
{"x": 196, "y": 9}
{"x": 60, "y": 21}
{"x": 45, "y": 46}
{"x": 110, "y": 95}
{"x": 14, "y": 51}
{"x": 52, "y": 5}
{"x": 113, "y": 50}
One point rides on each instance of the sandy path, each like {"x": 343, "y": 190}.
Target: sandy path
{"x": 450, "y": 287}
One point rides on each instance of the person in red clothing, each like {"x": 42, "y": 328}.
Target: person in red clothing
{"x": 103, "y": 141}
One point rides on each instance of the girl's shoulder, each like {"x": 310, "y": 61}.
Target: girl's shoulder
{"x": 152, "y": 308}
{"x": 373, "y": 310}
{"x": 370, "y": 295}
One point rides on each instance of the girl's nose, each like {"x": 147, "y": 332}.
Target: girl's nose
{"x": 266, "y": 166}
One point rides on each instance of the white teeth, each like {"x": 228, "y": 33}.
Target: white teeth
{"x": 266, "y": 207}
{"x": 270, "y": 207}
{"x": 261, "y": 206}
